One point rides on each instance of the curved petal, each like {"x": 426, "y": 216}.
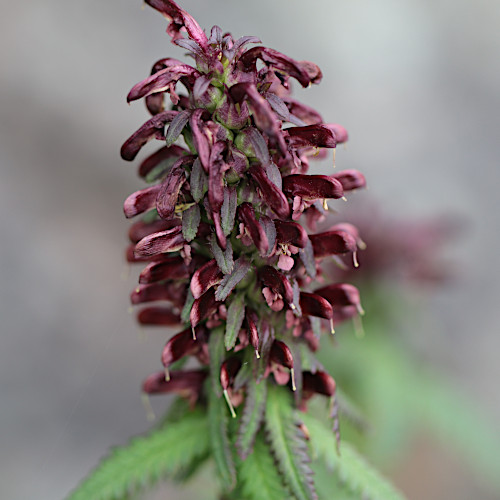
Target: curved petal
{"x": 153, "y": 128}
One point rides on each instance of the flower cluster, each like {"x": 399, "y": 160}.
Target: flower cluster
{"x": 224, "y": 221}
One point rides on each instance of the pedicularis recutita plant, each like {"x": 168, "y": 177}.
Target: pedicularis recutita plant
{"x": 224, "y": 241}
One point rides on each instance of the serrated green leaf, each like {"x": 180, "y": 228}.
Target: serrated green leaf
{"x": 146, "y": 459}
{"x": 329, "y": 486}
{"x": 274, "y": 174}
{"x": 177, "y": 126}
{"x": 218, "y": 415}
{"x": 307, "y": 258}
{"x": 258, "y": 476}
{"x": 288, "y": 444}
{"x": 198, "y": 181}
{"x": 190, "y": 222}
{"x": 270, "y": 229}
{"x": 228, "y": 210}
{"x": 352, "y": 469}
{"x": 229, "y": 282}
{"x": 235, "y": 316}
{"x": 224, "y": 258}
{"x": 253, "y": 411}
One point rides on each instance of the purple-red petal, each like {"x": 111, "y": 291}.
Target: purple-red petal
{"x": 291, "y": 233}
{"x": 170, "y": 240}
{"x": 257, "y": 233}
{"x": 332, "y": 243}
{"x": 270, "y": 192}
{"x": 179, "y": 18}
{"x": 140, "y": 201}
{"x": 205, "y": 277}
{"x": 277, "y": 281}
{"x": 172, "y": 268}
{"x": 153, "y": 128}
{"x": 161, "y": 316}
{"x": 351, "y": 179}
{"x": 313, "y": 304}
{"x": 317, "y": 136}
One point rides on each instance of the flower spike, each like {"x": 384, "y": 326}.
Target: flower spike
{"x": 224, "y": 235}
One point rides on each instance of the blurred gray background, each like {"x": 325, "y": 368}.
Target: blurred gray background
{"x": 415, "y": 83}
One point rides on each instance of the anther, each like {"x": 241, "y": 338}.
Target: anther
{"x": 292, "y": 373}
{"x": 332, "y": 329}
{"x": 194, "y": 333}
{"x": 167, "y": 374}
{"x": 355, "y": 259}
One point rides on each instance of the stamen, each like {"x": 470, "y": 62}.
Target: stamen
{"x": 167, "y": 374}
{"x": 343, "y": 198}
{"x": 360, "y": 309}
{"x": 334, "y": 149}
{"x": 292, "y": 372}
{"x": 325, "y": 204}
{"x": 332, "y": 330}
{"x": 359, "y": 331}
{"x": 150, "y": 414}
{"x": 355, "y": 259}
{"x": 194, "y": 333}
{"x": 292, "y": 307}
{"x": 361, "y": 244}
{"x": 257, "y": 355}
{"x": 228, "y": 401}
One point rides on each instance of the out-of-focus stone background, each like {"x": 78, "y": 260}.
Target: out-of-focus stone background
{"x": 415, "y": 83}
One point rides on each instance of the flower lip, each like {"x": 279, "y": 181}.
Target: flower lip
{"x": 340, "y": 132}
{"x": 277, "y": 282}
{"x": 319, "y": 382}
{"x": 340, "y": 294}
{"x": 350, "y": 179}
